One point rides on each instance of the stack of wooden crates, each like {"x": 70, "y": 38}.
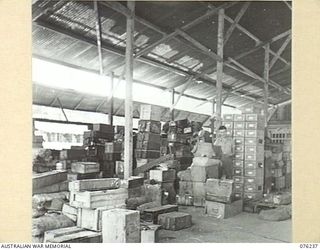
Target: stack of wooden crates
{"x": 247, "y": 130}
{"x": 148, "y": 138}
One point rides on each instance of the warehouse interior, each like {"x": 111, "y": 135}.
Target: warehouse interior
{"x": 169, "y": 121}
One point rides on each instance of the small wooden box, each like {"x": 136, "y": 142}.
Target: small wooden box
{"x": 120, "y": 226}
{"x": 94, "y": 184}
{"x": 85, "y": 167}
{"x": 95, "y": 199}
{"x": 223, "y": 211}
{"x": 175, "y": 221}
{"x": 151, "y": 214}
{"x": 162, "y": 175}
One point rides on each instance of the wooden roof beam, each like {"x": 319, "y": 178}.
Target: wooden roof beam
{"x": 280, "y": 51}
{"x": 236, "y": 21}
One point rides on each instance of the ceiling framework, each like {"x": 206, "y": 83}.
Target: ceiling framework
{"x": 182, "y": 71}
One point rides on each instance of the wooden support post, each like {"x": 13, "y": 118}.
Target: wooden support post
{"x": 172, "y": 105}
{"x": 212, "y": 120}
{"x": 98, "y": 34}
{"x": 128, "y": 136}
{"x": 266, "y": 83}
{"x": 220, "y": 65}
{"x": 111, "y": 99}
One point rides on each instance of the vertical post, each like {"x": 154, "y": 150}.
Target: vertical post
{"x": 266, "y": 82}
{"x": 212, "y": 121}
{"x": 219, "y": 65}
{"x": 111, "y": 99}
{"x": 128, "y": 134}
{"x": 98, "y": 33}
{"x": 172, "y": 103}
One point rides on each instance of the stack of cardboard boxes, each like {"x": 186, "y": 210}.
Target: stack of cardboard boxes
{"x": 247, "y": 130}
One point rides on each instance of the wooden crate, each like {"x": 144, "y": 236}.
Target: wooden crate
{"x": 74, "y": 176}
{"x": 162, "y": 175}
{"x": 219, "y": 190}
{"x": 55, "y": 188}
{"x": 150, "y": 112}
{"x": 151, "y": 214}
{"x": 94, "y": 184}
{"x": 175, "y": 221}
{"x": 132, "y": 182}
{"x": 48, "y": 179}
{"x": 113, "y": 147}
{"x": 85, "y": 167}
{"x": 150, "y": 233}
{"x": 92, "y": 218}
{"x": 223, "y": 211}
{"x": 149, "y": 126}
{"x": 120, "y": 226}
{"x": 72, "y": 235}
{"x": 70, "y": 212}
{"x": 95, "y": 199}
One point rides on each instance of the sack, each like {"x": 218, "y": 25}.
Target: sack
{"x": 277, "y": 214}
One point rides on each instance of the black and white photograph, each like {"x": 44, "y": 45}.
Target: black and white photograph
{"x": 161, "y": 121}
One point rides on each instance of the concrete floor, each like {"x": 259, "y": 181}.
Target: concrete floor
{"x": 245, "y": 227}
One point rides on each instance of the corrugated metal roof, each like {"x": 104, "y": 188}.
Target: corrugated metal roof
{"x": 69, "y": 37}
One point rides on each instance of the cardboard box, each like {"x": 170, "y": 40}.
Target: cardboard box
{"x": 254, "y": 149}
{"x": 254, "y": 187}
{"x": 254, "y": 133}
{"x": 85, "y": 167}
{"x": 150, "y": 112}
{"x": 238, "y": 163}
{"x": 149, "y": 234}
{"x": 254, "y": 117}
{"x": 94, "y": 184}
{"x": 250, "y": 196}
{"x": 238, "y": 187}
{"x": 238, "y": 179}
{"x": 120, "y": 226}
{"x": 162, "y": 175}
{"x": 239, "y": 125}
{"x": 228, "y": 125}
{"x": 72, "y": 235}
{"x": 239, "y": 141}
{"x": 254, "y": 141}
{"x": 151, "y": 214}
{"x": 253, "y": 164}
{"x": 175, "y": 221}
{"x": 95, "y": 199}
{"x": 223, "y": 211}
{"x": 239, "y": 156}
{"x": 239, "y": 118}
{"x": 149, "y": 126}
{"x": 239, "y": 148}
{"x": 48, "y": 179}
{"x": 238, "y": 171}
{"x": 250, "y": 110}
{"x": 238, "y": 132}
{"x": 228, "y": 117}
{"x": 255, "y": 125}
{"x": 253, "y": 157}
